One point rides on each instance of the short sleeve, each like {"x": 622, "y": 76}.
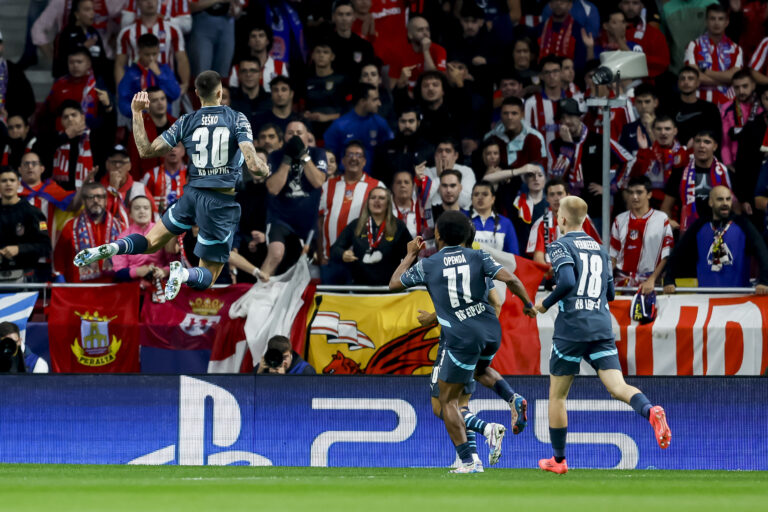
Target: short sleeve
{"x": 243, "y": 132}
{"x": 414, "y": 276}
{"x": 559, "y": 255}
{"x": 173, "y": 135}
{"x": 490, "y": 266}
{"x": 320, "y": 160}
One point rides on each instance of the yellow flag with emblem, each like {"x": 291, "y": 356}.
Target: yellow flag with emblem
{"x": 371, "y": 334}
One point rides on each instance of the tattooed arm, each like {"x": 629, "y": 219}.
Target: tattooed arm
{"x": 159, "y": 146}
{"x": 256, "y": 166}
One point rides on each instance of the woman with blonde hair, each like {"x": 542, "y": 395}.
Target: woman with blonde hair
{"x": 371, "y": 246}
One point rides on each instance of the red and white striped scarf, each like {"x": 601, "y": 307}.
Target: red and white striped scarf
{"x": 524, "y": 207}
{"x": 166, "y": 187}
{"x": 561, "y": 43}
{"x": 568, "y": 165}
{"x": 84, "y": 161}
{"x": 7, "y": 151}
{"x": 718, "y": 175}
{"x": 84, "y": 231}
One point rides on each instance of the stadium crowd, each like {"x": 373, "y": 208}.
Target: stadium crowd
{"x": 378, "y": 115}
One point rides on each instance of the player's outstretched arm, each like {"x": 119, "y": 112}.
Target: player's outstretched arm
{"x": 566, "y": 282}
{"x": 256, "y": 166}
{"x": 414, "y": 247}
{"x": 158, "y": 147}
{"x": 516, "y": 286}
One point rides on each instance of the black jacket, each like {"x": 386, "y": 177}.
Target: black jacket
{"x": 19, "y": 97}
{"x": 372, "y": 274}
{"x": 24, "y": 225}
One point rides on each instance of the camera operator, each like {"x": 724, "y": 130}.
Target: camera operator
{"x": 14, "y": 358}
{"x": 281, "y": 359}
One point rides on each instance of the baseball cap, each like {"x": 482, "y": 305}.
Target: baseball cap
{"x": 643, "y": 308}
{"x": 568, "y": 106}
{"x": 118, "y": 149}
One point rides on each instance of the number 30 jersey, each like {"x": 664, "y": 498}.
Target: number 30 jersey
{"x": 456, "y": 280}
{"x": 211, "y": 136}
{"x": 583, "y": 314}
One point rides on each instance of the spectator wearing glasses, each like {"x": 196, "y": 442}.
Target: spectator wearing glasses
{"x": 120, "y": 185}
{"x": 94, "y": 226}
{"x": 46, "y": 195}
{"x": 249, "y": 97}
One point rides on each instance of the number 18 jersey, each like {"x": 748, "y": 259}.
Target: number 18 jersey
{"x": 211, "y": 137}
{"x": 583, "y": 314}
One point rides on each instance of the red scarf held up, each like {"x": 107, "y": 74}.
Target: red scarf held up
{"x": 84, "y": 161}
{"x": 561, "y": 43}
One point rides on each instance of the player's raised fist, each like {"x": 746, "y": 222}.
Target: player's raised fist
{"x": 140, "y": 102}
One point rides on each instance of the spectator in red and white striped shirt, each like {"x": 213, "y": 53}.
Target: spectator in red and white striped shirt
{"x": 344, "y": 196}
{"x": 641, "y": 239}
{"x": 759, "y": 63}
{"x": 541, "y": 108}
{"x": 176, "y": 11}
{"x": 716, "y": 56}
{"x": 168, "y": 34}
{"x": 259, "y": 45}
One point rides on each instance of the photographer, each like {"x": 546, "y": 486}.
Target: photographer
{"x": 281, "y": 359}
{"x": 14, "y": 358}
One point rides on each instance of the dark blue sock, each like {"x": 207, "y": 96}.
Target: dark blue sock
{"x": 465, "y": 452}
{"x": 472, "y": 440}
{"x": 132, "y": 244}
{"x": 472, "y": 422}
{"x": 504, "y": 390}
{"x": 199, "y": 278}
{"x": 557, "y": 437}
{"x": 641, "y": 405}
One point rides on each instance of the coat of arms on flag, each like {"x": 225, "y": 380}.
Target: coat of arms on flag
{"x": 95, "y": 348}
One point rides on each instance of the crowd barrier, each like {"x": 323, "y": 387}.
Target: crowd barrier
{"x": 378, "y": 421}
{"x": 375, "y": 333}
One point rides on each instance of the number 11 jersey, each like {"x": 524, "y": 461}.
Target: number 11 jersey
{"x": 211, "y": 137}
{"x": 583, "y": 314}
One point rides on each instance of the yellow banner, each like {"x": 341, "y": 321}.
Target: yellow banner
{"x": 371, "y": 334}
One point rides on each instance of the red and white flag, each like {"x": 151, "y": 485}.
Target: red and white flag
{"x": 94, "y": 330}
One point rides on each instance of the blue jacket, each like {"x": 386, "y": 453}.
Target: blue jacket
{"x": 371, "y": 130}
{"x": 131, "y": 84}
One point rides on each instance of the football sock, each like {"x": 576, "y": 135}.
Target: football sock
{"x": 199, "y": 278}
{"x": 641, "y": 405}
{"x": 557, "y": 436}
{"x": 504, "y": 390}
{"x": 472, "y": 440}
{"x": 465, "y": 452}
{"x": 131, "y": 244}
{"x": 472, "y": 422}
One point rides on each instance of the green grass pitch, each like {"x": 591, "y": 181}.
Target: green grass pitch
{"x": 169, "y": 488}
